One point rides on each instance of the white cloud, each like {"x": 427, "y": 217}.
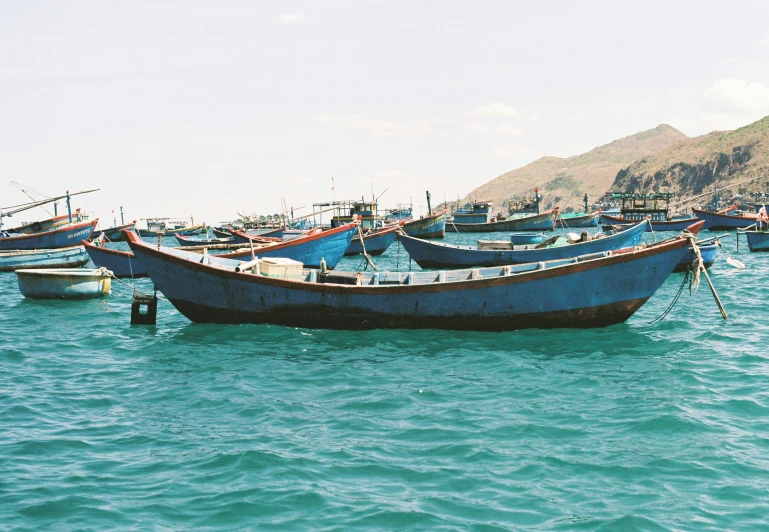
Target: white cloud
{"x": 293, "y": 18}
{"x": 765, "y": 38}
{"x": 499, "y": 129}
{"x": 510, "y": 150}
{"x": 732, "y": 102}
{"x": 500, "y": 110}
{"x": 384, "y": 128}
{"x": 303, "y": 180}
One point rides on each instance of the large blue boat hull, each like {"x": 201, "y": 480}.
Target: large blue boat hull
{"x": 435, "y": 255}
{"x": 59, "y": 237}
{"x": 573, "y": 293}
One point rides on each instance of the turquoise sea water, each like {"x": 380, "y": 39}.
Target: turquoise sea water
{"x": 183, "y": 426}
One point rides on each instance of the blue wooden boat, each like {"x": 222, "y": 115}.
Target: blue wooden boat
{"x": 518, "y": 239}
{"x": 721, "y": 221}
{"x": 376, "y": 241}
{"x": 430, "y": 226}
{"x": 188, "y": 241}
{"x": 57, "y": 237}
{"x": 677, "y": 225}
{"x": 71, "y": 257}
{"x": 44, "y": 225}
{"x": 524, "y": 222}
{"x": 757, "y": 240}
{"x": 120, "y": 263}
{"x": 437, "y": 255}
{"x": 114, "y": 234}
{"x": 64, "y": 284}
{"x": 309, "y": 249}
{"x": 576, "y": 220}
{"x": 591, "y": 291}
{"x": 707, "y": 252}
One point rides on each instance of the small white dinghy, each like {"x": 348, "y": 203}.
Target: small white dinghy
{"x": 64, "y": 283}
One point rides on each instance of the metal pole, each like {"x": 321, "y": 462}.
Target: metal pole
{"x": 122, "y": 221}
{"x": 69, "y": 208}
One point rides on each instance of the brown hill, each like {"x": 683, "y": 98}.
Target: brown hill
{"x": 690, "y": 166}
{"x": 564, "y": 181}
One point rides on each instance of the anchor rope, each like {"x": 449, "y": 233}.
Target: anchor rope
{"x": 672, "y": 303}
{"x": 132, "y": 287}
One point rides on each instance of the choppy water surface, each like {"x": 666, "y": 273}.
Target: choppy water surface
{"x": 635, "y": 426}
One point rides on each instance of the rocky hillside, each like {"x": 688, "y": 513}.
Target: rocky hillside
{"x": 691, "y": 166}
{"x": 564, "y": 181}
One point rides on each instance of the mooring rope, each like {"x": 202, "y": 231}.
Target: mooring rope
{"x": 132, "y": 287}
{"x": 675, "y": 300}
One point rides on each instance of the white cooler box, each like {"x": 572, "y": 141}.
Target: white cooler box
{"x": 281, "y": 268}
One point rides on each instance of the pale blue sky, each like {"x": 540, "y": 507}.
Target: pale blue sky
{"x": 208, "y": 108}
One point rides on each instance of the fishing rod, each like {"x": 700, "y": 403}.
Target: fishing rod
{"x": 4, "y": 211}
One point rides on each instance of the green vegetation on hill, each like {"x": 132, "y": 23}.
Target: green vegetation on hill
{"x": 564, "y": 180}
{"x": 691, "y": 166}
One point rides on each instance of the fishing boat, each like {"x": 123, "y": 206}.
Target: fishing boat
{"x": 309, "y": 249}
{"x": 114, "y": 234}
{"x": 58, "y": 237}
{"x": 677, "y": 225}
{"x": 71, "y": 257}
{"x": 44, "y": 225}
{"x": 188, "y": 241}
{"x": 722, "y": 221}
{"x": 430, "y": 226}
{"x": 590, "y": 291}
{"x": 165, "y": 226}
{"x": 575, "y": 220}
{"x": 120, "y": 263}
{"x": 346, "y": 212}
{"x": 438, "y": 255}
{"x": 530, "y": 222}
{"x": 64, "y": 284}
{"x": 401, "y": 213}
{"x": 375, "y": 241}
{"x": 758, "y": 236}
